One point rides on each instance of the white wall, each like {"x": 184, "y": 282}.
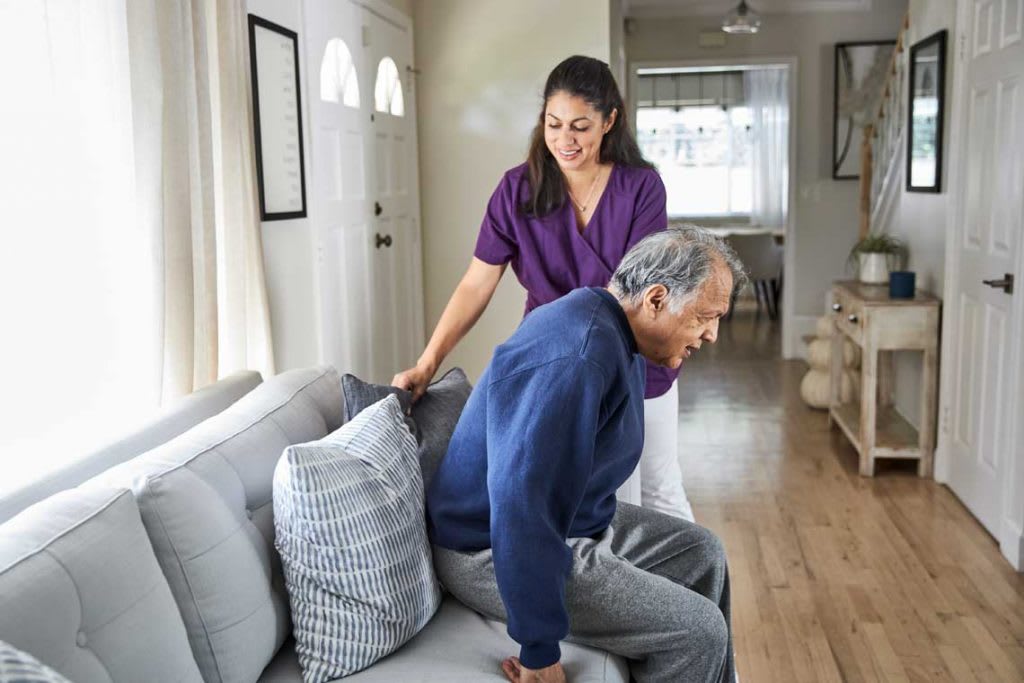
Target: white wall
{"x": 825, "y": 210}
{"x": 482, "y": 71}
{"x": 919, "y": 217}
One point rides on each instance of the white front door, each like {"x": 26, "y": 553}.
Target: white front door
{"x": 341, "y": 100}
{"x": 396, "y": 262}
{"x": 364, "y": 207}
{"x": 987, "y": 190}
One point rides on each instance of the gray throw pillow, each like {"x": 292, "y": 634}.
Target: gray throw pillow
{"x": 20, "y": 667}
{"x": 348, "y": 511}
{"x": 434, "y": 416}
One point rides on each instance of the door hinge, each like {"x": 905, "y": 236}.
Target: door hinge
{"x": 963, "y": 46}
{"x": 366, "y": 36}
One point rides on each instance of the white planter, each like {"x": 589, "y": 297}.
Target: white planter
{"x": 874, "y": 269}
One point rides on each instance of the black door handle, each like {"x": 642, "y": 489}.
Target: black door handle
{"x": 1006, "y": 284}
{"x": 385, "y": 240}
{"x": 377, "y": 209}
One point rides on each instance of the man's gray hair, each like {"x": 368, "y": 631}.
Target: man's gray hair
{"x": 680, "y": 258}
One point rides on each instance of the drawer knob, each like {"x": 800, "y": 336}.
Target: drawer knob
{"x": 837, "y": 307}
{"x": 852, "y": 318}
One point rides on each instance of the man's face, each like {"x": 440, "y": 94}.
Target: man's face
{"x": 668, "y": 338}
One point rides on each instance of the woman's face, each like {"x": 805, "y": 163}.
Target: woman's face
{"x": 573, "y": 131}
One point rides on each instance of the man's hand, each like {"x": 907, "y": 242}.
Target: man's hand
{"x": 517, "y": 673}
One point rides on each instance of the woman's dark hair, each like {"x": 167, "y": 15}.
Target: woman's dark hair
{"x": 592, "y": 80}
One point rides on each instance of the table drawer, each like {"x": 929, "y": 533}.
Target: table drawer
{"x": 848, "y": 313}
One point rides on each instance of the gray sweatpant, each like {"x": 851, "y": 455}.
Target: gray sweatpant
{"x": 652, "y": 588}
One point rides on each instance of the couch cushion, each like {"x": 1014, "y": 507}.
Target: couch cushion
{"x": 205, "y": 499}
{"x": 459, "y": 646}
{"x": 348, "y": 511}
{"x": 433, "y": 417}
{"x": 82, "y": 592}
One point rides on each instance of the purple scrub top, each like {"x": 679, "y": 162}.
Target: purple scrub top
{"x": 551, "y": 257}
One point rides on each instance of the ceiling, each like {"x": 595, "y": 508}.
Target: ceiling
{"x": 689, "y": 8}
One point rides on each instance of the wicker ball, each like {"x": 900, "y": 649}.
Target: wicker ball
{"x": 819, "y": 354}
{"x": 823, "y": 328}
{"x": 815, "y": 388}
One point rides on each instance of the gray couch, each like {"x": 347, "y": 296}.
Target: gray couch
{"x": 163, "y": 567}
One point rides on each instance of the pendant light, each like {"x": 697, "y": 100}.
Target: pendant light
{"x": 741, "y": 20}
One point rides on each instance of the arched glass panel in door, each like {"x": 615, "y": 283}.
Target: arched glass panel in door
{"x": 338, "y": 80}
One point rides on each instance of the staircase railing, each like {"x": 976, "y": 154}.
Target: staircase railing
{"x": 883, "y": 136}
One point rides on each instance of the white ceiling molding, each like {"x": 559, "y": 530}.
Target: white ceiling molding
{"x": 717, "y": 8}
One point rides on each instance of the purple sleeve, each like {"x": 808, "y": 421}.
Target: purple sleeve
{"x": 496, "y": 243}
{"x": 650, "y": 214}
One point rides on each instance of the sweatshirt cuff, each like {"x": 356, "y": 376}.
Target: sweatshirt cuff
{"x": 539, "y": 655}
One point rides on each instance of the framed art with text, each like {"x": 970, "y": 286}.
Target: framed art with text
{"x": 277, "y": 114}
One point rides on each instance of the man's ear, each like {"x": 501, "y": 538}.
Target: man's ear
{"x": 656, "y": 298}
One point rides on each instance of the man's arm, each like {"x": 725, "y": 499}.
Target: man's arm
{"x": 541, "y": 428}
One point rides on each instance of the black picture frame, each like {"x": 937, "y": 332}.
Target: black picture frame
{"x": 293, "y": 107}
{"x": 924, "y": 132}
{"x": 846, "y": 152}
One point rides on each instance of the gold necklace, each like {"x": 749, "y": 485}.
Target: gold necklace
{"x": 583, "y": 207}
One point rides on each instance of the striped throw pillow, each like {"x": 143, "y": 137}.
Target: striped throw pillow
{"x": 20, "y": 667}
{"x": 348, "y": 512}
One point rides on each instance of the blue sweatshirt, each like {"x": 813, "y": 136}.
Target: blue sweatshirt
{"x": 553, "y": 428}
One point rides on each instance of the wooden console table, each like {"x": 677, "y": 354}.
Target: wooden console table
{"x": 866, "y": 315}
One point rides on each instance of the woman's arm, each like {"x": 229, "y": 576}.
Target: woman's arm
{"x": 465, "y": 307}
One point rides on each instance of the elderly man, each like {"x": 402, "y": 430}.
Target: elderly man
{"x": 522, "y": 511}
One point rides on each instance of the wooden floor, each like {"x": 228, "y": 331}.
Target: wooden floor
{"x": 835, "y": 577}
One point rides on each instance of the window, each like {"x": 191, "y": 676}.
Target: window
{"x": 388, "y": 90}
{"x": 338, "y": 75}
{"x": 719, "y": 139}
{"x": 79, "y": 318}
{"x": 703, "y": 153}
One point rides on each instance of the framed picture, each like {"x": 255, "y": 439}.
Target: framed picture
{"x": 277, "y": 113}
{"x": 860, "y": 73}
{"x": 925, "y": 113}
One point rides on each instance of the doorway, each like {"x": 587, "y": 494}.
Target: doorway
{"x": 722, "y": 134}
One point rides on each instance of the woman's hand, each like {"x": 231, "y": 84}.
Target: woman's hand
{"x": 415, "y": 379}
{"x": 463, "y": 310}
{"x": 517, "y": 673}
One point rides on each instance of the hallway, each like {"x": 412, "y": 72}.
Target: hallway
{"x": 835, "y": 577}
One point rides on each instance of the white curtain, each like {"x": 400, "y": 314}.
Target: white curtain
{"x": 767, "y": 95}
{"x": 195, "y": 175}
{"x": 131, "y": 267}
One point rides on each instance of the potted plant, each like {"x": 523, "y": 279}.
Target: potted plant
{"x": 874, "y": 256}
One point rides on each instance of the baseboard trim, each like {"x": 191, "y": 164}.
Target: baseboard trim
{"x": 1012, "y": 544}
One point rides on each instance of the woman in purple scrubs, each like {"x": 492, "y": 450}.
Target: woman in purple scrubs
{"x": 564, "y": 219}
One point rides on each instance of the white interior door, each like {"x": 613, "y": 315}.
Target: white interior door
{"x": 988, "y": 196}
{"x": 340, "y": 105}
{"x": 396, "y": 260}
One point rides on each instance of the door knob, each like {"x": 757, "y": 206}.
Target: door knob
{"x": 385, "y": 240}
{"x": 837, "y": 307}
{"x": 852, "y": 318}
{"x": 377, "y": 209}
{"x": 1006, "y": 284}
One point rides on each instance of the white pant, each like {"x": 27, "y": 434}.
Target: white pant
{"x": 657, "y": 482}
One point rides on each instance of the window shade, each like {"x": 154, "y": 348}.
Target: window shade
{"x": 690, "y": 88}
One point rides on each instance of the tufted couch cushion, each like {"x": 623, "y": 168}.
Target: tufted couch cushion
{"x": 82, "y": 591}
{"x": 205, "y": 499}
{"x": 458, "y": 646}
